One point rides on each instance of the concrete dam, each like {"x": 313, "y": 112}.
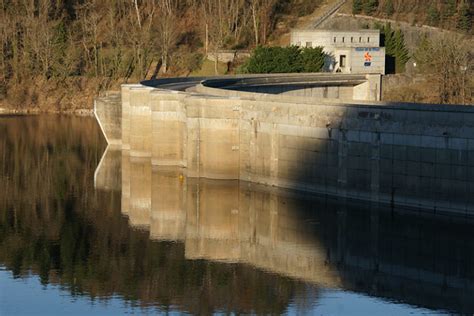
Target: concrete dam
{"x": 318, "y": 133}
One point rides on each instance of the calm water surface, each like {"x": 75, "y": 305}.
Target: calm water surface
{"x": 88, "y": 233}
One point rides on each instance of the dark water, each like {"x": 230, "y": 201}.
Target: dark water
{"x": 129, "y": 239}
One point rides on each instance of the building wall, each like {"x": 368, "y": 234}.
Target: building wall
{"x": 358, "y": 62}
{"x": 353, "y": 45}
{"x": 335, "y": 39}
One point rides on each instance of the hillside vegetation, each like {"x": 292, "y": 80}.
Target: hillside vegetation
{"x": 59, "y": 54}
{"x": 447, "y": 14}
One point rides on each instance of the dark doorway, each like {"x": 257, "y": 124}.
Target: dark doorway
{"x": 342, "y": 61}
{"x": 389, "y": 64}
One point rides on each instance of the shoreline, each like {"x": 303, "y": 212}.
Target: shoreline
{"x": 78, "y": 112}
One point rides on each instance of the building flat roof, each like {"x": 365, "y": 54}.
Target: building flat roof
{"x": 337, "y": 31}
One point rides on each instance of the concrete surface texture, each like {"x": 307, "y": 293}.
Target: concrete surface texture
{"x": 418, "y": 156}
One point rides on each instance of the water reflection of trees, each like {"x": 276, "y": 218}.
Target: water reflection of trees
{"x": 55, "y": 225}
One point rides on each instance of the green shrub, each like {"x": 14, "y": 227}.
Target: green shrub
{"x": 284, "y": 60}
{"x": 357, "y": 6}
{"x": 312, "y": 59}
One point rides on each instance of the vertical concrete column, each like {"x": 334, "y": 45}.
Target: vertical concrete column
{"x": 108, "y": 112}
{"x": 375, "y": 168}
{"x": 193, "y": 140}
{"x": 253, "y": 149}
{"x": 140, "y": 122}
{"x": 220, "y": 145}
{"x": 215, "y": 123}
{"x": 375, "y": 87}
{"x": 126, "y": 114}
{"x": 245, "y": 135}
{"x": 275, "y": 146}
{"x": 371, "y": 90}
{"x": 342, "y": 164}
{"x": 140, "y": 192}
{"x": 168, "y": 128}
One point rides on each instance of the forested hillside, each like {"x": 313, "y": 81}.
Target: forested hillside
{"x": 58, "y": 55}
{"x": 51, "y": 49}
{"x": 448, "y": 14}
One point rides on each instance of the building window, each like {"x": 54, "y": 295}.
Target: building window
{"x": 368, "y": 39}
{"x": 352, "y": 39}
{"x": 342, "y": 61}
{"x": 343, "y": 39}
{"x": 334, "y": 39}
{"x": 360, "y": 39}
{"x": 309, "y": 44}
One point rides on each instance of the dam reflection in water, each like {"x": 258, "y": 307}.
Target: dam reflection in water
{"x": 402, "y": 255}
{"x": 145, "y": 238}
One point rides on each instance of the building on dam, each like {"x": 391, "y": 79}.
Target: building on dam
{"x": 351, "y": 52}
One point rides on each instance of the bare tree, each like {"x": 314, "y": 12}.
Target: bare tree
{"x": 167, "y": 29}
{"x": 262, "y": 16}
{"x": 447, "y": 62}
{"x": 224, "y": 20}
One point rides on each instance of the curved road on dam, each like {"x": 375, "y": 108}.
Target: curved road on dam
{"x": 297, "y": 81}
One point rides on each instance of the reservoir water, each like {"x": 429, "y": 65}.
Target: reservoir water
{"x": 87, "y": 230}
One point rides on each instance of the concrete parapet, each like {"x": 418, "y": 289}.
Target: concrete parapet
{"x": 168, "y": 128}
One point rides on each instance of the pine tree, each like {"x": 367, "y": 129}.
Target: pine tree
{"x": 433, "y": 15}
{"x": 388, "y": 39}
{"x": 402, "y": 54}
{"x": 370, "y": 6}
{"x": 395, "y": 46}
{"x": 464, "y": 18}
{"x": 389, "y": 10}
{"x": 357, "y": 6}
{"x": 449, "y": 9}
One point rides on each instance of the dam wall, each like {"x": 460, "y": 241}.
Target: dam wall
{"x": 417, "y": 156}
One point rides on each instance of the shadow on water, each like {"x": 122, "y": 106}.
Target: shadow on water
{"x": 206, "y": 246}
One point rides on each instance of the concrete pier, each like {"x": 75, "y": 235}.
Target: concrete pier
{"x": 292, "y": 134}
